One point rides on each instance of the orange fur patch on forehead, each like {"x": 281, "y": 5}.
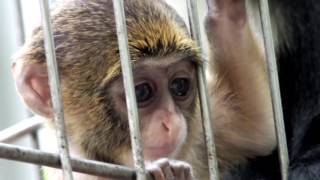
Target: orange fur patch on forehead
{"x": 86, "y": 38}
{"x": 156, "y": 33}
{"x": 153, "y": 31}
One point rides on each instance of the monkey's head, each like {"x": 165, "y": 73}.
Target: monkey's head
{"x": 164, "y": 63}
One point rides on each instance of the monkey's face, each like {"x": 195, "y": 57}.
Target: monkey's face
{"x": 166, "y": 94}
{"x": 165, "y": 88}
{"x": 92, "y": 89}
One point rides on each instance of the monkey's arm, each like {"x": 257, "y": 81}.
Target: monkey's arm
{"x": 239, "y": 66}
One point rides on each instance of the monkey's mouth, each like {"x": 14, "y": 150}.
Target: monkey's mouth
{"x": 154, "y": 153}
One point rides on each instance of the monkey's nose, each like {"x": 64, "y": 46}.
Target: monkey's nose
{"x": 167, "y": 120}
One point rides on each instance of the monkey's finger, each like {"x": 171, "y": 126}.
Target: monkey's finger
{"x": 168, "y": 173}
{"x": 156, "y": 172}
{"x": 161, "y": 169}
{"x": 218, "y": 4}
{"x": 212, "y": 6}
{"x": 181, "y": 170}
{"x": 230, "y": 18}
{"x": 231, "y": 8}
{"x": 178, "y": 171}
{"x": 164, "y": 164}
{"x": 188, "y": 173}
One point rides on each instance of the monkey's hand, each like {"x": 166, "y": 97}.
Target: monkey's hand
{"x": 165, "y": 169}
{"x": 234, "y": 10}
{"x": 227, "y": 28}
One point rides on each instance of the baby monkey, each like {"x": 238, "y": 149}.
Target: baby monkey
{"x": 164, "y": 61}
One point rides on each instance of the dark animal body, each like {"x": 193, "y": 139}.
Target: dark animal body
{"x": 298, "y": 55}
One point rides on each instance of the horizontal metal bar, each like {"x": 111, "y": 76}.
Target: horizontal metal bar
{"x": 12, "y": 152}
{"x": 133, "y": 115}
{"x": 203, "y": 93}
{"x": 20, "y": 129}
{"x": 55, "y": 90}
{"x": 274, "y": 87}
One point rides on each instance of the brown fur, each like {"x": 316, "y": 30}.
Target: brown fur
{"x": 88, "y": 58}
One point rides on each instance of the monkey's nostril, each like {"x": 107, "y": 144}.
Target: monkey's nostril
{"x": 165, "y": 126}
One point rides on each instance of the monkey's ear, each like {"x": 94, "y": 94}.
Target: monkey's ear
{"x": 32, "y": 85}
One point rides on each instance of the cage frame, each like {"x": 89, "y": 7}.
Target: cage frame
{"x": 69, "y": 164}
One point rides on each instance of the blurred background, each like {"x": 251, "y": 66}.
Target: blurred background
{"x": 17, "y": 19}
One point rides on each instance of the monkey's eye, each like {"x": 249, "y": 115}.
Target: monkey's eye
{"x": 180, "y": 87}
{"x": 144, "y": 92}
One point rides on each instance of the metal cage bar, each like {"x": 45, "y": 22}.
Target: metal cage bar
{"x": 203, "y": 93}
{"x": 17, "y": 133}
{"x": 23, "y": 128}
{"x": 133, "y": 115}
{"x": 19, "y": 22}
{"x": 114, "y": 171}
{"x": 36, "y": 144}
{"x": 20, "y": 129}
{"x": 54, "y": 83}
{"x": 274, "y": 87}
{"x": 22, "y": 154}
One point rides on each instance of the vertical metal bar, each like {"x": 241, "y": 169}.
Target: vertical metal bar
{"x": 36, "y": 145}
{"x": 203, "y": 91}
{"x": 129, "y": 89}
{"x": 55, "y": 90}
{"x": 35, "y": 140}
{"x": 20, "y": 40}
{"x": 19, "y": 22}
{"x": 274, "y": 87}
